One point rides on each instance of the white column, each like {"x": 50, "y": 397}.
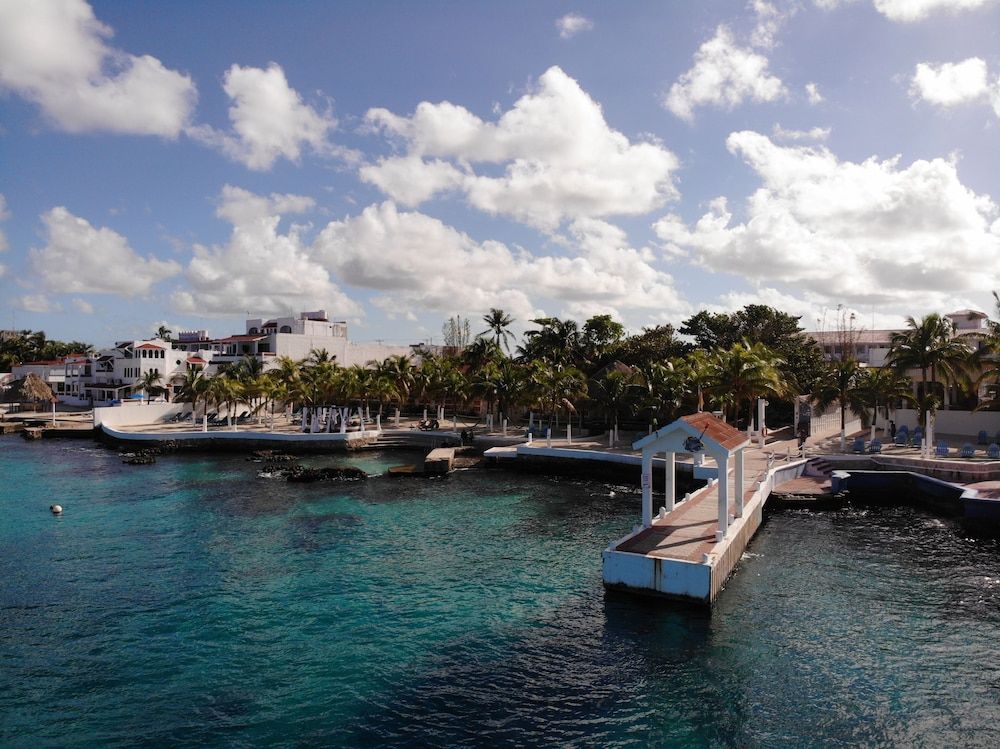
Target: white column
{"x": 397, "y": 418}
{"x": 723, "y": 487}
{"x": 647, "y": 487}
{"x": 668, "y": 481}
{"x": 548, "y": 437}
{"x": 739, "y": 482}
{"x": 569, "y": 434}
{"x": 761, "y": 424}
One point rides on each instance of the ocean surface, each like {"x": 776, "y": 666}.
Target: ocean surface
{"x": 191, "y": 603}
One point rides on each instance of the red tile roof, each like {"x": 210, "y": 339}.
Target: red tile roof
{"x": 716, "y": 429}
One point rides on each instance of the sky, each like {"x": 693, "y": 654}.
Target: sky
{"x": 396, "y": 163}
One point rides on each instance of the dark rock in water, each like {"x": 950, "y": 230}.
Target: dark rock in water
{"x": 32, "y": 434}
{"x": 141, "y": 458}
{"x": 271, "y": 456}
{"x": 302, "y": 474}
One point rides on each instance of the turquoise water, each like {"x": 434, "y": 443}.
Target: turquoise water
{"x": 190, "y": 603}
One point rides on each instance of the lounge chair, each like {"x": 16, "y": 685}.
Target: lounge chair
{"x": 875, "y": 447}
{"x": 941, "y": 451}
{"x": 983, "y": 438}
{"x": 917, "y": 437}
{"x": 859, "y": 445}
{"x": 993, "y": 451}
{"x": 968, "y": 450}
{"x": 902, "y": 438}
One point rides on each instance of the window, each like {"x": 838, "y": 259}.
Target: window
{"x": 286, "y": 328}
{"x": 252, "y": 331}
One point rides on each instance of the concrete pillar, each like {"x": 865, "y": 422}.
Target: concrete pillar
{"x": 723, "y": 488}
{"x": 569, "y": 434}
{"x": 647, "y": 487}
{"x": 397, "y": 418}
{"x": 761, "y": 423}
{"x": 548, "y": 437}
{"x": 739, "y": 483}
{"x": 204, "y": 422}
{"x": 668, "y": 481}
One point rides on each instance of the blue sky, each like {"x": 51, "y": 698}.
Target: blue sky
{"x": 397, "y": 163}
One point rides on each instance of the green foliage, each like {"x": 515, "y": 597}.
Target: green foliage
{"x": 28, "y": 346}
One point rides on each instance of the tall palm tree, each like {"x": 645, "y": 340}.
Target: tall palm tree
{"x": 164, "y": 333}
{"x": 929, "y": 346}
{"x": 699, "y": 370}
{"x": 498, "y": 325}
{"x": 557, "y": 387}
{"x": 743, "y": 373}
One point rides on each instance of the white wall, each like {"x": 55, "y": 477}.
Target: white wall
{"x": 136, "y": 413}
{"x": 952, "y": 422}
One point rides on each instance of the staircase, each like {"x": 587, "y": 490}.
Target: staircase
{"x": 818, "y": 467}
{"x": 410, "y": 440}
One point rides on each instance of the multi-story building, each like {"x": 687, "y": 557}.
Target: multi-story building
{"x": 113, "y": 374}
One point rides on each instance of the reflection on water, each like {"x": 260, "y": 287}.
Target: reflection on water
{"x": 190, "y": 602}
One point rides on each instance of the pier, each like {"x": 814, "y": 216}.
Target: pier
{"x": 688, "y": 549}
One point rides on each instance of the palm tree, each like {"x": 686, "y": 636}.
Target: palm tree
{"x": 195, "y": 388}
{"x": 498, "y": 324}
{"x": 840, "y": 383}
{"x": 617, "y": 393}
{"x": 699, "y": 371}
{"x": 557, "y": 341}
{"x": 666, "y": 387}
{"x": 225, "y": 391}
{"x": 557, "y": 387}
{"x": 879, "y": 387}
{"x": 929, "y": 346}
{"x": 150, "y": 384}
{"x": 399, "y": 370}
{"x": 743, "y": 373}
{"x": 164, "y": 333}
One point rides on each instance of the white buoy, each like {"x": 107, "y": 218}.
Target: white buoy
{"x": 56, "y": 509}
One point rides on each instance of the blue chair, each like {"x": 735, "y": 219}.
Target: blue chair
{"x": 941, "y": 451}
{"x": 983, "y": 438}
{"x": 875, "y": 447}
{"x": 918, "y": 435}
{"x": 902, "y": 438}
{"x": 993, "y": 451}
{"x": 859, "y": 445}
{"x": 968, "y": 450}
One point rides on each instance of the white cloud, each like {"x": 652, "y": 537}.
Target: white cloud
{"x": 54, "y": 53}
{"x": 863, "y": 233}
{"x": 269, "y": 120}
{"x": 724, "y": 75}
{"x": 812, "y": 91}
{"x": 769, "y": 22}
{"x": 814, "y": 133}
{"x": 907, "y": 11}
{"x": 79, "y": 258}
{"x": 560, "y": 159}
{"x": 83, "y": 306}
{"x": 949, "y": 84}
{"x": 422, "y": 263}
{"x": 814, "y": 311}
{"x": 38, "y": 303}
{"x": 572, "y": 24}
{"x": 259, "y": 268}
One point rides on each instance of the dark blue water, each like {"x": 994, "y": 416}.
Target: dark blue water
{"x": 190, "y": 603}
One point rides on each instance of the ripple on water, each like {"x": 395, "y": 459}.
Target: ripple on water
{"x": 190, "y": 603}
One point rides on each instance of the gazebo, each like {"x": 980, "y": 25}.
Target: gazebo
{"x": 699, "y": 433}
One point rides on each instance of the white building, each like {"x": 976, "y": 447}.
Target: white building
{"x": 113, "y": 374}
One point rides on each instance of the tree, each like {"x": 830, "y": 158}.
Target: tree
{"x": 498, "y": 325}
{"x": 617, "y": 393}
{"x": 557, "y": 387}
{"x": 655, "y": 344}
{"x": 163, "y": 333}
{"x": 929, "y": 346}
{"x": 666, "y": 388}
{"x": 880, "y": 387}
{"x": 195, "y": 388}
{"x": 556, "y": 341}
{"x": 600, "y": 335}
{"x": 744, "y": 372}
{"x": 150, "y": 384}
{"x": 841, "y": 384}
{"x": 456, "y": 332}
